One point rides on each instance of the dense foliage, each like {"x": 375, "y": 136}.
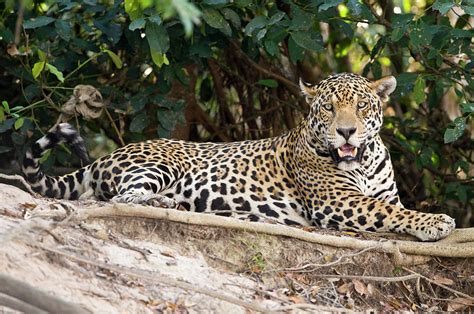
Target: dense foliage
{"x": 225, "y": 70}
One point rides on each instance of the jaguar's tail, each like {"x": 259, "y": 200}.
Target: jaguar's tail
{"x": 69, "y": 186}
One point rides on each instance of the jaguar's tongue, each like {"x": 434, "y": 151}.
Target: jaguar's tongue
{"x": 347, "y": 150}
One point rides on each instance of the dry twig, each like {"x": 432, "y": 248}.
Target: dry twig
{"x": 311, "y": 307}
{"x": 369, "y": 278}
{"x": 315, "y": 266}
{"x": 440, "y": 285}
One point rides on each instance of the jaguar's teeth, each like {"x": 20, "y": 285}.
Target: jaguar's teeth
{"x": 347, "y": 153}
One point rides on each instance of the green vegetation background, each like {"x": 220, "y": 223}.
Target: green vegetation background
{"x": 220, "y": 70}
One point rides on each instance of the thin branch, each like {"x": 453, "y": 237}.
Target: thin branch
{"x": 313, "y": 265}
{"x": 122, "y": 142}
{"x": 440, "y": 285}
{"x": 370, "y": 278}
{"x": 291, "y": 86}
{"x": 312, "y": 307}
{"x": 19, "y": 22}
{"x": 380, "y": 19}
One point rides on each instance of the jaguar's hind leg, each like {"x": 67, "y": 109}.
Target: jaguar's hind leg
{"x": 142, "y": 186}
{"x": 138, "y": 197}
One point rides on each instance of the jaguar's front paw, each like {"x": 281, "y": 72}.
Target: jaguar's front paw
{"x": 434, "y": 227}
{"x": 157, "y": 200}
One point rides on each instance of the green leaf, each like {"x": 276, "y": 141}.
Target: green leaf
{"x": 275, "y": 18}
{"x": 467, "y": 108}
{"x": 158, "y": 38}
{"x": 295, "y": 51}
{"x": 159, "y": 42}
{"x": 261, "y": 33}
{"x": 461, "y": 164}
{"x": 64, "y": 29}
{"x": 355, "y": 7}
{"x": 38, "y": 22}
{"x": 188, "y": 14}
{"x": 115, "y": 59}
{"x": 139, "y": 123}
{"x": 405, "y": 83}
{"x": 45, "y": 156}
{"x": 400, "y": 23}
{"x": 308, "y": 40}
{"x": 378, "y": 47}
{"x": 421, "y": 34}
{"x": 6, "y": 106}
{"x": 18, "y": 123}
{"x": 201, "y": 49}
{"x": 159, "y": 59}
{"x": 216, "y": 2}
{"x": 6, "y": 125}
{"x": 443, "y": 6}
{"x": 328, "y": 4}
{"x": 243, "y": 3}
{"x": 166, "y": 119}
{"x": 155, "y": 19}
{"x": 271, "y": 47}
{"x": 2, "y": 114}
{"x": 452, "y": 134}
{"x": 468, "y": 9}
{"x": 268, "y": 83}
{"x": 301, "y": 21}
{"x": 255, "y": 24}
{"x": 231, "y": 16}
{"x": 17, "y": 108}
{"x": 133, "y": 9}
{"x": 215, "y": 19}
{"x": 419, "y": 91}
{"x": 462, "y": 33}
{"x": 38, "y": 68}
{"x": 54, "y": 70}
{"x": 402, "y": 20}
{"x": 397, "y": 34}
{"x": 137, "y": 24}
{"x": 41, "y": 55}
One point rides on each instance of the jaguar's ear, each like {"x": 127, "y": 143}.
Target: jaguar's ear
{"x": 308, "y": 90}
{"x": 385, "y": 86}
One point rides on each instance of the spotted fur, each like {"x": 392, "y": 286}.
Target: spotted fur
{"x": 331, "y": 171}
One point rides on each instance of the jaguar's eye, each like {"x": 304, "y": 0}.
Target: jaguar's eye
{"x": 362, "y": 104}
{"x": 328, "y": 107}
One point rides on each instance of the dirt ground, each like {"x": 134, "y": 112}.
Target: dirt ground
{"x": 188, "y": 268}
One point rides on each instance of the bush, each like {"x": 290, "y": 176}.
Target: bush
{"x": 220, "y": 70}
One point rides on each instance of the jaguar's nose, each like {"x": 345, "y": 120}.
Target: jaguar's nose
{"x": 346, "y": 132}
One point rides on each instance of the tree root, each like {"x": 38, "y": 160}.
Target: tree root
{"x": 447, "y": 248}
{"x": 22, "y": 296}
{"x": 155, "y": 278}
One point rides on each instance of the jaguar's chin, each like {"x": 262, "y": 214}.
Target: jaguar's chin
{"x": 347, "y": 157}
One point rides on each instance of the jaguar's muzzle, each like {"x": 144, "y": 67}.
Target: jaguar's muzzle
{"x": 347, "y": 153}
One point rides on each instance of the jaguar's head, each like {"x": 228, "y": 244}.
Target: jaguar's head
{"x": 345, "y": 115}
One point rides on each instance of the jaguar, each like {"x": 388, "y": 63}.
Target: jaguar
{"x": 331, "y": 171}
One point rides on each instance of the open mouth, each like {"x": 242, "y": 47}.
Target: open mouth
{"x": 347, "y": 153}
